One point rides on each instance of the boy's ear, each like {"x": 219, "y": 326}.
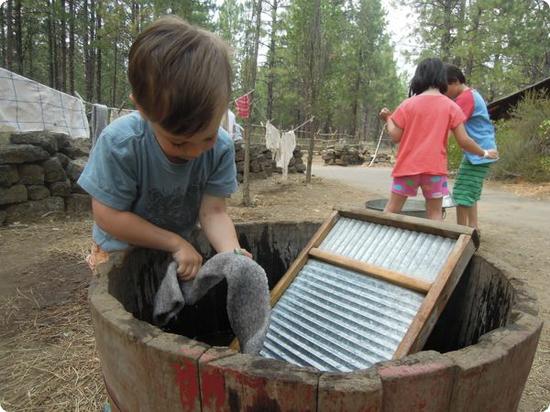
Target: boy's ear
{"x": 138, "y": 107}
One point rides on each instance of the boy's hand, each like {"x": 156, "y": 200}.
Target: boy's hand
{"x": 241, "y": 251}
{"x": 188, "y": 259}
{"x": 491, "y": 154}
{"x": 384, "y": 114}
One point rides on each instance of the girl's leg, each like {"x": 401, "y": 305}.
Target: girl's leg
{"x": 462, "y": 215}
{"x": 434, "y": 208}
{"x": 395, "y": 204}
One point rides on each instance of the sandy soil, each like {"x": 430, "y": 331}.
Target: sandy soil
{"x": 47, "y": 350}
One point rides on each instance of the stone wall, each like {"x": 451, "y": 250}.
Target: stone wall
{"x": 38, "y": 173}
{"x": 349, "y": 154}
{"x": 262, "y": 164}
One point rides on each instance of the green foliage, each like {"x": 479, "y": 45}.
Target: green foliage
{"x": 524, "y": 142}
{"x": 500, "y": 45}
{"x": 454, "y": 154}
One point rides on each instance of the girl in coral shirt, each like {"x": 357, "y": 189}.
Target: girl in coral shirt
{"x": 421, "y": 125}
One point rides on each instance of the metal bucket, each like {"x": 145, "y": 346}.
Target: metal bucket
{"x": 412, "y": 207}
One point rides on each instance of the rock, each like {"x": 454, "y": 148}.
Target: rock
{"x": 8, "y": 175}
{"x": 64, "y": 159}
{"x": 79, "y": 203}
{"x": 74, "y": 152}
{"x": 31, "y": 174}
{"x": 34, "y": 209}
{"x": 53, "y": 170}
{"x": 75, "y": 168}
{"x": 38, "y": 192}
{"x": 75, "y": 188}
{"x": 22, "y": 153}
{"x": 63, "y": 140}
{"x": 42, "y": 139}
{"x": 62, "y": 189}
{"x": 3, "y": 215}
{"x": 76, "y": 148}
{"x": 14, "y": 194}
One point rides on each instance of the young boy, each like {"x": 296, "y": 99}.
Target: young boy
{"x": 154, "y": 173}
{"x": 473, "y": 169}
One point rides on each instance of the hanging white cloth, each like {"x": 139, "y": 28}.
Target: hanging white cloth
{"x": 272, "y": 138}
{"x": 286, "y": 151}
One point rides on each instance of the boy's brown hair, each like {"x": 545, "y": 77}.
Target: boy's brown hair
{"x": 180, "y": 75}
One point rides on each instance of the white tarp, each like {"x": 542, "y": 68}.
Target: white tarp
{"x": 28, "y": 106}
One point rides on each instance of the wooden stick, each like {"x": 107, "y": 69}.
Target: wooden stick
{"x": 391, "y": 276}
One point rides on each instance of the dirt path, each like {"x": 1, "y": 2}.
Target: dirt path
{"x": 47, "y": 348}
{"x": 516, "y": 228}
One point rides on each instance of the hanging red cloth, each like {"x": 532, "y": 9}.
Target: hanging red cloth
{"x": 243, "y": 106}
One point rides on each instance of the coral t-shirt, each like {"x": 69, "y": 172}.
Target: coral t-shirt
{"x": 426, "y": 120}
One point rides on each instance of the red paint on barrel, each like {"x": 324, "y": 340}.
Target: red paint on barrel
{"x": 213, "y": 389}
{"x": 187, "y": 381}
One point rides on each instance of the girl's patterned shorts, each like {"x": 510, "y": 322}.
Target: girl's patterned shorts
{"x": 433, "y": 187}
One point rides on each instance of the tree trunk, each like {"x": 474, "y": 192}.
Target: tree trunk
{"x": 63, "y": 43}
{"x": 30, "y": 52}
{"x": 115, "y": 65}
{"x": 98, "y": 51}
{"x": 271, "y": 62}
{"x": 71, "y": 45}
{"x": 51, "y": 45}
{"x": 18, "y": 37}
{"x": 9, "y": 36}
{"x": 446, "y": 37}
{"x": 314, "y": 56}
{"x": 86, "y": 48}
{"x": 473, "y": 42}
{"x": 356, "y": 97}
{"x": 3, "y": 36}
{"x": 253, "y": 68}
{"x": 90, "y": 63}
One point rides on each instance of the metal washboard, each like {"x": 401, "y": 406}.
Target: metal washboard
{"x": 368, "y": 287}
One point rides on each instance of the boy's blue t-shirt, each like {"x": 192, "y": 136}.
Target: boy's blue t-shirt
{"x": 127, "y": 170}
{"x": 478, "y": 124}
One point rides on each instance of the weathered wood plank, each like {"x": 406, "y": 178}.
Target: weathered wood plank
{"x": 437, "y": 297}
{"x": 391, "y": 276}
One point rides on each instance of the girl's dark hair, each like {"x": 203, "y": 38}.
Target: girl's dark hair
{"x": 429, "y": 73}
{"x": 454, "y": 74}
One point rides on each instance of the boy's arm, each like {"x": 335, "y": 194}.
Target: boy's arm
{"x": 217, "y": 225}
{"x": 133, "y": 229}
{"x": 469, "y": 145}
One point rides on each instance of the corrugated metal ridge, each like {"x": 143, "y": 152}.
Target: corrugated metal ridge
{"x": 416, "y": 254}
{"x": 335, "y": 319}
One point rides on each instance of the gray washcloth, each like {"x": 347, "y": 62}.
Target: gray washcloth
{"x": 248, "y": 305}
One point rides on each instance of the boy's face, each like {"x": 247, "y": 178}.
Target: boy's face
{"x": 180, "y": 148}
{"x": 453, "y": 89}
